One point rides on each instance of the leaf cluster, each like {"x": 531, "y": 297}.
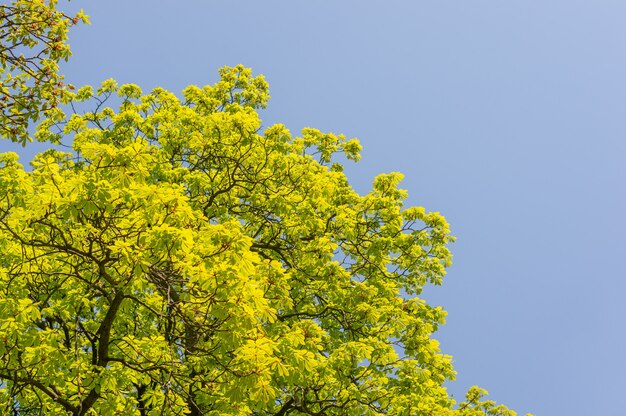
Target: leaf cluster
{"x": 33, "y": 40}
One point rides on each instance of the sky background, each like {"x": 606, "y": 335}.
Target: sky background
{"x": 506, "y": 116}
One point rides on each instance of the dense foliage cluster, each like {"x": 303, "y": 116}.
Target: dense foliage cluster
{"x": 179, "y": 260}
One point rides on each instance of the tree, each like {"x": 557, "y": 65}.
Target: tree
{"x": 33, "y": 39}
{"x": 179, "y": 260}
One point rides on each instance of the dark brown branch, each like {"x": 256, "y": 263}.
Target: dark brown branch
{"x": 104, "y": 337}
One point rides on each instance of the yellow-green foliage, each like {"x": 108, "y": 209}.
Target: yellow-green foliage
{"x": 33, "y": 39}
{"x": 179, "y": 260}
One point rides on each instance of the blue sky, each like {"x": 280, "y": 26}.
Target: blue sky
{"x": 507, "y": 117}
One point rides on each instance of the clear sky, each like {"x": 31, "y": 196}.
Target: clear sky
{"x": 509, "y": 117}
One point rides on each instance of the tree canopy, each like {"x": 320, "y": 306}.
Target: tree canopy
{"x": 179, "y": 259}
